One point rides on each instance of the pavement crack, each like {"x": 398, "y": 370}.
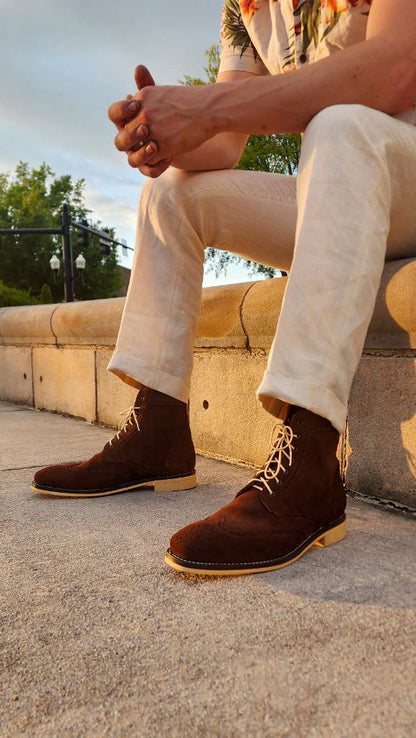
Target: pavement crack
{"x": 390, "y": 505}
{"x": 19, "y": 468}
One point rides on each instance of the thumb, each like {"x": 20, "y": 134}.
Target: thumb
{"x": 142, "y": 77}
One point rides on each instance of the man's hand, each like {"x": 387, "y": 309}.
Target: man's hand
{"x": 123, "y": 112}
{"x": 167, "y": 122}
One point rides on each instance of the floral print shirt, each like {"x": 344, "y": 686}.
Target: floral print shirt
{"x": 274, "y": 36}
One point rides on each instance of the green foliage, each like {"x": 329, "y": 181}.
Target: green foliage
{"x": 33, "y": 197}
{"x": 11, "y": 296}
{"x": 211, "y": 69}
{"x": 276, "y": 153}
{"x": 45, "y": 295}
{"x": 102, "y": 276}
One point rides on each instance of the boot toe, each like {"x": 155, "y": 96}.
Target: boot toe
{"x": 201, "y": 542}
{"x": 54, "y": 477}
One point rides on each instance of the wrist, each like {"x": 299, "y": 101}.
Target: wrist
{"x": 215, "y": 114}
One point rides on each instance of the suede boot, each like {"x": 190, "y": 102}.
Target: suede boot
{"x": 296, "y": 501}
{"x": 153, "y": 448}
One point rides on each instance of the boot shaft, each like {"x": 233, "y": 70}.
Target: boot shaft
{"x": 164, "y": 432}
{"x": 311, "y": 483}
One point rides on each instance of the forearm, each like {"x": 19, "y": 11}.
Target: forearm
{"x": 222, "y": 151}
{"x": 367, "y": 73}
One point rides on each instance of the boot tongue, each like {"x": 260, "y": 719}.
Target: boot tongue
{"x": 293, "y": 409}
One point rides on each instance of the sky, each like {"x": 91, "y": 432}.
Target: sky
{"x": 64, "y": 63}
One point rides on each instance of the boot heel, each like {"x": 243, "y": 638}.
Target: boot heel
{"x": 332, "y": 536}
{"x": 170, "y": 485}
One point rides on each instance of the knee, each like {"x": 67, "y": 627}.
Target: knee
{"x": 161, "y": 188}
{"x": 337, "y": 121}
{"x": 174, "y": 187}
{"x": 176, "y": 194}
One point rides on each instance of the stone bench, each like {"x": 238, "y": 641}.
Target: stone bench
{"x": 55, "y": 356}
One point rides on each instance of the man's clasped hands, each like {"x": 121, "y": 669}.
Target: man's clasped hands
{"x": 158, "y": 124}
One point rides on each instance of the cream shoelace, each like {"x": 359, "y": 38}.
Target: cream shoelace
{"x": 279, "y": 448}
{"x": 129, "y": 418}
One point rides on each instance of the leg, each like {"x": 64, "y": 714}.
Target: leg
{"x": 250, "y": 213}
{"x": 356, "y": 201}
{"x": 179, "y": 215}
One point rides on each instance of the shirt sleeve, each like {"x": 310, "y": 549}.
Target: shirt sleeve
{"x": 237, "y": 50}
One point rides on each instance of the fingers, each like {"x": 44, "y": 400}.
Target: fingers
{"x": 146, "y": 155}
{"x": 120, "y": 113}
{"x": 157, "y": 169}
{"x": 131, "y": 138}
{"x": 134, "y": 140}
{"x": 142, "y": 77}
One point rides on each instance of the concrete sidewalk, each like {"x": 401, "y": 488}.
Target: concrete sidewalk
{"x": 100, "y": 638}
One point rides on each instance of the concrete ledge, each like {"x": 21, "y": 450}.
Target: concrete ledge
{"x": 381, "y": 433}
{"x": 64, "y": 381}
{"x": 98, "y": 323}
{"x": 220, "y": 319}
{"x": 16, "y": 374}
{"x": 27, "y": 325}
{"x": 394, "y": 320}
{"x": 55, "y": 357}
{"x": 232, "y": 316}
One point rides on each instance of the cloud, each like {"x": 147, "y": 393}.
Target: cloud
{"x": 63, "y": 64}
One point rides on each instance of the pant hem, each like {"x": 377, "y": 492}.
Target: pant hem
{"x": 276, "y": 389}
{"x": 130, "y": 371}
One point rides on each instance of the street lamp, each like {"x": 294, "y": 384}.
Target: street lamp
{"x": 80, "y": 263}
{"x": 55, "y": 266}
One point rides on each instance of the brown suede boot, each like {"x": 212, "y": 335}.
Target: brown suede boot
{"x": 296, "y": 501}
{"x": 153, "y": 448}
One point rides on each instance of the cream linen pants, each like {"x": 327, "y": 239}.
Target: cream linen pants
{"x": 351, "y": 208}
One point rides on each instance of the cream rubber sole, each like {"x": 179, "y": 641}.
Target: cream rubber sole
{"x": 159, "y": 485}
{"x": 333, "y": 535}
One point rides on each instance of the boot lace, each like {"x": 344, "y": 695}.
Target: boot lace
{"x": 280, "y": 448}
{"x": 129, "y": 418}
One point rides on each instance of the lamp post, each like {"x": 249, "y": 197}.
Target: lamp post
{"x": 67, "y": 249}
{"x": 80, "y": 263}
{"x": 65, "y": 232}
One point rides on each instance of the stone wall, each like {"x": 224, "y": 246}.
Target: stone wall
{"x": 55, "y": 357}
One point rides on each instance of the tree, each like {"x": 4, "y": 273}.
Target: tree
{"x": 275, "y": 153}
{"x": 211, "y": 69}
{"x": 11, "y": 296}
{"x": 33, "y": 197}
{"x": 45, "y": 297}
